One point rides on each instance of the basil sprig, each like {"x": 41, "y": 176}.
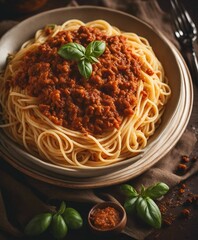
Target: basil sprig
{"x": 142, "y": 203}
{"x": 83, "y": 56}
{"x": 58, "y": 223}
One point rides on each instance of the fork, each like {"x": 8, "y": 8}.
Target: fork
{"x": 186, "y": 34}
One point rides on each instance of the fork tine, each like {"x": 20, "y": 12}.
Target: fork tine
{"x": 184, "y": 21}
{"x": 178, "y": 15}
{"x": 186, "y": 33}
{"x": 189, "y": 20}
{"x": 176, "y": 20}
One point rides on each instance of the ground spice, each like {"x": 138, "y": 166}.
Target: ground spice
{"x": 185, "y": 159}
{"x": 185, "y": 164}
{"x": 185, "y": 213}
{"x": 181, "y": 201}
{"x": 182, "y": 189}
{"x": 182, "y": 168}
{"x": 105, "y": 218}
{"x": 194, "y": 159}
{"x": 192, "y": 200}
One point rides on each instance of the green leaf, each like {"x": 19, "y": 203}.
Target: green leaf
{"x": 95, "y": 49}
{"x": 149, "y": 212}
{"x": 156, "y": 191}
{"x": 130, "y": 205}
{"x": 128, "y": 190}
{"x": 84, "y": 57}
{"x": 72, "y": 218}
{"x": 51, "y": 25}
{"x": 85, "y": 68}
{"x": 92, "y": 59}
{"x": 62, "y": 208}
{"x": 142, "y": 190}
{"x": 38, "y": 224}
{"x": 72, "y": 51}
{"x": 58, "y": 227}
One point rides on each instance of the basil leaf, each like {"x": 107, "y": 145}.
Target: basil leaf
{"x": 142, "y": 190}
{"x": 62, "y": 208}
{"x": 58, "y": 227}
{"x": 51, "y": 26}
{"x": 95, "y": 48}
{"x": 92, "y": 59}
{"x": 156, "y": 191}
{"x": 149, "y": 212}
{"x": 128, "y": 190}
{"x": 72, "y": 51}
{"x": 85, "y": 68}
{"x": 72, "y": 218}
{"x": 130, "y": 205}
{"x": 38, "y": 224}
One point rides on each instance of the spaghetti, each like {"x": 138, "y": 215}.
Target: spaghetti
{"x": 133, "y": 113}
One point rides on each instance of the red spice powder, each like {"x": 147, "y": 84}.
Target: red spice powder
{"x": 192, "y": 199}
{"x": 185, "y": 159}
{"x": 182, "y": 167}
{"x": 105, "y": 218}
{"x": 185, "y": 213}
{"x": 181, "y": 201}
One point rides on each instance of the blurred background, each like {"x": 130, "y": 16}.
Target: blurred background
{"x": 20, "y": 9}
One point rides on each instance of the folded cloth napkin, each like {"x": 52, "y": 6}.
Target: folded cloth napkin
{"x": 22, "y": 197}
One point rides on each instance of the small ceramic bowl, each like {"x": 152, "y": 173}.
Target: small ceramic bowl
{"x": 107, "y": 218}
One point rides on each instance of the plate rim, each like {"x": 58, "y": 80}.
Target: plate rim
{"x": 94, "y": 7}
{"x": 75, "y": 185}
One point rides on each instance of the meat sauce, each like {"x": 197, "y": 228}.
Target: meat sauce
{"x": 93, "y": 105}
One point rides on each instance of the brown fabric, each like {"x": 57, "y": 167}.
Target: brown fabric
{"x": 14, "y": 193}
{"x": 5, "y": 225}
{"x": 25, "y": 202}
{"x": 25, "y": 197}
{"x": 164, "y": 171}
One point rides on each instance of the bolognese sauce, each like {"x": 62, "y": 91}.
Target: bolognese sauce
{"x": 91, "y": 105}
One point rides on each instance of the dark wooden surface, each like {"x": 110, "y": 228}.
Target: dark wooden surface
{"x": 180, "y": 227}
